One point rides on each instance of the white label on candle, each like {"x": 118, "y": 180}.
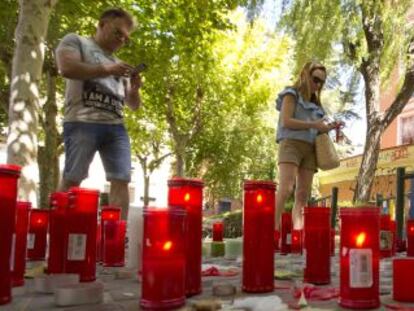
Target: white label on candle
{"x": 31, "y": 237}
{"x": 76, "y": 246}
{"x": 360, "y": 270}
{"x": 288, "y": 238}
{"x": 13, "y": 251}
{"x": 385, "y": 240}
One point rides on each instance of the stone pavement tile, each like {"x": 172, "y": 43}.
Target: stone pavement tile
{"x": 121, "y": 295}
{"x": 99, "y": 307}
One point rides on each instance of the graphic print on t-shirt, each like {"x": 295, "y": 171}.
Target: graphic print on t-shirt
{"x": 99, "y": 96}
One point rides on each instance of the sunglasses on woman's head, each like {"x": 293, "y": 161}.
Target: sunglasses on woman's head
{"x": 317, "y": 80}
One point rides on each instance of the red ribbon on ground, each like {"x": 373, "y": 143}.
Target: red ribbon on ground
{"x": 213, "y": 271}
{"x": 317, "y": 293}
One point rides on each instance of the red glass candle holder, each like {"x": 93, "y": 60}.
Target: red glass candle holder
{"x": 188, "y": 194}
{"x": 403, "y": 276}
{"x": 297, "y": 239}
{"x": 277, "y": 240}
{"x": 218, "y": 228}
{"x": 258, "y": 241}
{"x": 108, "y": 212}
{"x": 114, "y": 243}
{"x": 80, "y": 251}
{"x": 386, "y": 238}
{"x": 9, "y": 175}
{"x": 410, "y": 237}
{"x": 359, "y": 258}
{"x": 58, "y": 202}
{"x": 20, "y": 243}
{"x": 163, "y": 266}
{"x": 286, "y": 242}
{"x": 37, "y": 236}
{"x": 317, "y": 245}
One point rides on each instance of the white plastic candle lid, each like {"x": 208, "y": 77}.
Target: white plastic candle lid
{"x": 80, "y": 294}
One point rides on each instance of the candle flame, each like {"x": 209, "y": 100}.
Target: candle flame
{"x": 167, "y": 246}
{"x": 187, "y": 197}
{"x": 360, "y": 239}
{"x": 259, "y": 198}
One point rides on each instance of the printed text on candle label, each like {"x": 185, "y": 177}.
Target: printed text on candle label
{"x": 76, "y": 246}
{"x": 13, "y": 251}
{"x": 385, "y": 240}
{"x": 288, "y": 238}
{"x": 360, "y": 268}
{"x": 31, "y": 237}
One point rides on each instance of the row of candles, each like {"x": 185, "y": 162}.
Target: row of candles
{"x": 70, "y": 223}
{"x": 171, "y": 265}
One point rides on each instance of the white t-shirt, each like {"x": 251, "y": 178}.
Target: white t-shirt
{"x": 98, "y": 100}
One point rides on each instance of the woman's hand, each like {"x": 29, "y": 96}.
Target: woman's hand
{"x": 322, "y": 126}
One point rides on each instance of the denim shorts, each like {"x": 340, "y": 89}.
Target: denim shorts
{"x": 83, "y": 140}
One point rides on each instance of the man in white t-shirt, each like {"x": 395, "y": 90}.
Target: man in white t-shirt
{"x": 97, "y": 86}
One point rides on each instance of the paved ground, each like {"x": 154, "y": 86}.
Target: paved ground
{"x": 122, "y": 290}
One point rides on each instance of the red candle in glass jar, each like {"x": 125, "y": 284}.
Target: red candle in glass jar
{"x": 188, "y": 194}
{"x": 403, "y": 276}
{"x": 57, "y": 231}
{"x": 276, "y": 239}
{"x": 258, "y": 240}
{"x": 9, "y": 175}
{"x": 386, "y": 238}
{"x": 20, "y": 243}
{"x": 317, "y": 245}
{"x": 410, "y": 237}
{"x": 286, "y": 243}
{"x": 164, "y": 258}
{"x": 108, "y": 212}
{"x": 37, "y": 236}
{"x": 218, "y": 228}
{"x": 296, "y": 246}
{"x": 80, "y": 251}
{"x": 114, "y": 243}
{"x": 359, "y": 258}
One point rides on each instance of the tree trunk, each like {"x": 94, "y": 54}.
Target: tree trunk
{"x": 146, "y": 189}
{"x": 179, "y": 164}
{"x": 48, "y": 156}
{"x": 368, "y": 166}
{"x": 24, "y": 94}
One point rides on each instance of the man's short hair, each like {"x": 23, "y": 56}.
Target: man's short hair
{"x": 117, "y": 13}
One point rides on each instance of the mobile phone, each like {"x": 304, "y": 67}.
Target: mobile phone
{"x": 140, "y": 68}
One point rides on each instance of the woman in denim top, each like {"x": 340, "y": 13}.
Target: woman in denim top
{"x": 301, "y": 119}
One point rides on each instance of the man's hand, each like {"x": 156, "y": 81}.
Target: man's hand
{"x": 118, "y": 69}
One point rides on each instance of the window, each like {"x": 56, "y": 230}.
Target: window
{"x": 407, "y": 130}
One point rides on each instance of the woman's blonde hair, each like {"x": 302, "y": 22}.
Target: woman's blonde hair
{"x": 302, "y": 84}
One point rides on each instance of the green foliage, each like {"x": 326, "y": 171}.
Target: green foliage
{"x": 8, "y": 17}
{"x": 332, "y": 31}
{"x": 233, "y": 224}
{"x": 216, "y": 75}
{"x": 238, "y": 140}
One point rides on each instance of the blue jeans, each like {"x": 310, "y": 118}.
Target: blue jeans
{"x": 83, "y": 140}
